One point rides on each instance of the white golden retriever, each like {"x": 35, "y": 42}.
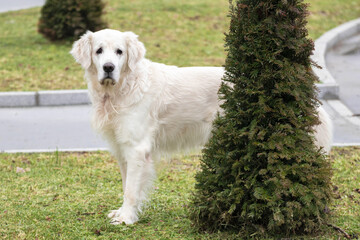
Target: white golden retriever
{"x": 144, "y": 109}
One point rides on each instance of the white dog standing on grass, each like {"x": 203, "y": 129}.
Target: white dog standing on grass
{"x": 145, "y": 109}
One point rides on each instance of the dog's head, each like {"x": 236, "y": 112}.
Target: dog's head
{"x": 111, "y": 53}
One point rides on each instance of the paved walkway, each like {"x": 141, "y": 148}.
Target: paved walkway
{"x": 343, "y": 63}
{"x": 47, "y": 129}
{"x": 346, "y": 126}
{"x": 68, "y": 128}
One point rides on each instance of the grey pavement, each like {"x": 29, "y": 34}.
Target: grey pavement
{"x": 346, "y": 130}
{"x": 47, "y": 129}
{"x": 12, "y": 5}
{"x": 343, "y": 62}
{"x": 345, "y": 67}
{"x": 67, "y": 128}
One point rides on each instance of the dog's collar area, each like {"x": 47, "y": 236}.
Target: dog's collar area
{"x": 106, "y": 96}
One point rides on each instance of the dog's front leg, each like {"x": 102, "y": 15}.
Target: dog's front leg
{"x": 117, "y": 153}
{"x": 139, "y": 175}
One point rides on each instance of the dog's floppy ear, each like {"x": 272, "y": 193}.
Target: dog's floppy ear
{"x": 135, "y": 49}
{"x": 81, "y": 50}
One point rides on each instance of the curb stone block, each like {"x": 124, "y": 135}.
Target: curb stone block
{"x": 63, "y": 97}
{"x": 17, "y": 99}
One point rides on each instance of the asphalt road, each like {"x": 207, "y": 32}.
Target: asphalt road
{"x": 346, "y": 70}
{"x": 48, "y": 129}
{"x": 68, "y": 128}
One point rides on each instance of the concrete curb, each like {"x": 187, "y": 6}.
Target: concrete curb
{"x": 329, "y": 88}
{"x": 44, "y": 98}
{"x": 81, "y": 97}
{"x": 63, "y": 97}
{"x": 17, "y": 99}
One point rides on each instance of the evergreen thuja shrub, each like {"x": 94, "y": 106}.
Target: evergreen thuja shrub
{"x": 62, "y": 19}
{"x": 260, "y": 171}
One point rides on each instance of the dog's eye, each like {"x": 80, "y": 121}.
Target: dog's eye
{"x": 99, "y": 51}
{"x": 119, "y": 52}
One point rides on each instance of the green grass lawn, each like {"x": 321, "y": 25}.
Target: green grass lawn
{"x": 183, "y": 33}
{"x": 68, "y": 195}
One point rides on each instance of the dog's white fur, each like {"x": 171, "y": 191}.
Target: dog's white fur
{"x": 145, "y": 109}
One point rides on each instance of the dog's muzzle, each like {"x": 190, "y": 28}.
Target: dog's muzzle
{"x": 108, "y": 79}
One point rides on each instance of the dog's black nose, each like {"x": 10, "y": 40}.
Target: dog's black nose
{"x": 108, "y": 67}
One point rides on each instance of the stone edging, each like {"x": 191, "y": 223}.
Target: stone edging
{"x": 44, "y": 98}
{"x": 74, "y": 97}
{"x": 329, "y": 89}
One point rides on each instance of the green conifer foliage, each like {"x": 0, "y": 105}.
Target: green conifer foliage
{"x": 61, "y": 19}
{"x": 261, "y": 171}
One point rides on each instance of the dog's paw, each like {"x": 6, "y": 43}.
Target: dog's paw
{"x": 127, "y": 216}
{"x": 114, "y": 213}
{"x": 121, "y": 220}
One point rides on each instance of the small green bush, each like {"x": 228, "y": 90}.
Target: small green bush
{"x": 62, "y": 19}
{"x": 261, "y": 172}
